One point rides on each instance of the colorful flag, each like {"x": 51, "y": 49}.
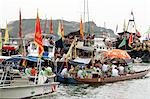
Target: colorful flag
{"x": 51, "y": 26}
{"x": 138, "y": 33}
{"x": 130, "y": 40}
{"x": 122, "y": 43}
{"x": 38, "y": 37}
{"x": 81, "y": 29}
{"x": 6, "y": 38}
{"x": 59, "y": 30}
{"x": 62, "y": 29}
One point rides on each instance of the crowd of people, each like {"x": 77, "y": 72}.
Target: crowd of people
{"x": 98, "y": 70}
{"x": 32, "y": 71}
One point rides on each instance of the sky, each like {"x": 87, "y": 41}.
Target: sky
{"x": 110, "y": 12}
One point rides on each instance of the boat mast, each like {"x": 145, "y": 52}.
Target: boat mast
{"x": 88, "y": 17}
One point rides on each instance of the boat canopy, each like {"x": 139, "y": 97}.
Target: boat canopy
{"x": 86, "y": 48}
{"x": 18, "y": 58}
{"x": 80, "y": 61}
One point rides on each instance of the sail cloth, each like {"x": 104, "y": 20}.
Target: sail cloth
{"x": 122, "y": 43}
{"x": 81, "y": 29}
{"x": 130, "y": 40}
{"x": 6, "y": 38}
{"x": 38, "y": 36}
{"x": 81, "y": 60}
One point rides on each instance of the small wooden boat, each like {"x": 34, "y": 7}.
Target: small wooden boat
{"x": 135, "y": 75}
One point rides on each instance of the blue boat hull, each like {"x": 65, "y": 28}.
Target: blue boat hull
{"x": 64, "y": 80}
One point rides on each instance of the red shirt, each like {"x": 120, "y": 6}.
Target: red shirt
{"x": 33, "y": 72}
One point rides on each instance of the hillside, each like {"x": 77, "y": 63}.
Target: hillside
{"x": 28, "y": 26}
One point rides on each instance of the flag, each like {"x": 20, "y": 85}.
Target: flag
{"x": 122, "y": 43}
{"x": 38, "y": 36}
{"x": 0, "y": 41}
{"x": 62, "y": 29}
{"x": 81, "y": 29}
{"x": 130, "y": 40}
{"x": 59, "y": 30}
{"x": 138, "y": 33}
{"x": 51, "y": 27}
{"x": 6, "y": 38}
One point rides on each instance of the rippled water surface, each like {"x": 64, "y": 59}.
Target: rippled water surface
{"x": 131, "y": 89}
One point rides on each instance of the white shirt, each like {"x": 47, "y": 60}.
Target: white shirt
{"x": 121, "y": 69}
{"x": 115, "y": 72}
{"x": 79, "y": 74}
{"x": 64, "y": 72}
{"x": 113, "y": 66}
{"x": 46, "y": 42}
{"x": 105, "y": 68}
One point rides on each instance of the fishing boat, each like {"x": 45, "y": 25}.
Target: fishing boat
{"x": 20, "y": 86}
{"x": 134, "y": 75}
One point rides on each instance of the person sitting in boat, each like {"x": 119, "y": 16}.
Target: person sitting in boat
{"x": 105, "y": 67}
{"x": 27, "y": 71}
{"x": 88, "y": 71}
{"x": 33, "y": 71}
{"x": 42, "y": 77}
{"x": 80, "y": 73}
{"x": 72, "y": 71}
{"x": 48, "y": 71}
{"x": 115, "y": 72}
{"x": 64, "y": 72}
{"x": 121, "y": 69}
{"x": 97, "y": 70}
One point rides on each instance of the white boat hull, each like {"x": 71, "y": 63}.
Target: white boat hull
{"x": 27, "y": 90}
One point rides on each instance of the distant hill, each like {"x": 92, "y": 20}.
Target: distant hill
{"x": 28, "y": 26}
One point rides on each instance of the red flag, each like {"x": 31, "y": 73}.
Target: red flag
{"x": 130, "y": 40}
{"x": 81, "y": 29}
{"x": 138, "y": 33}
{"x": 51, "y": 26}
{"x": 38, "y": 36}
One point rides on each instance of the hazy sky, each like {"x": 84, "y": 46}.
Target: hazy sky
{"x": 112, "y": 12}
